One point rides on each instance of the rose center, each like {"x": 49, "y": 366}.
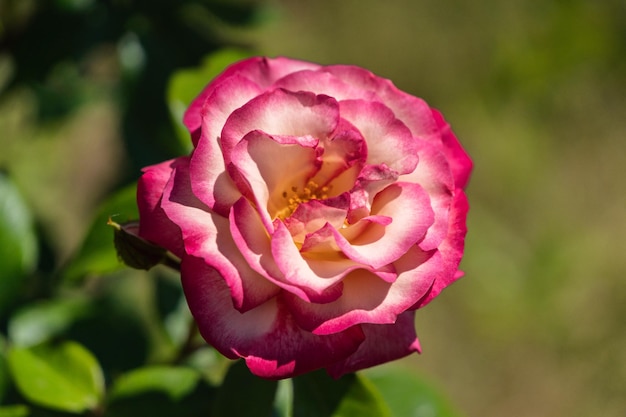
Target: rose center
{"x": 294, "y": 197}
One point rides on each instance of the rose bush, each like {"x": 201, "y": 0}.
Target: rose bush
{"x": 320, "y": 207}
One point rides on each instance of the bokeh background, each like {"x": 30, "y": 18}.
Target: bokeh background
{"x": 536, "y": 92}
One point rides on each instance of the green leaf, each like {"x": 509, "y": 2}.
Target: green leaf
{"x": 137, "y": 252}
{"x": 283, "y": 403}
{"x": 41, "y": 321}
{"x": 5, "y": 378}
{"x": 408, "y": 394}
{"x": 18, "y": 243}
{"x": 14, "y": 411}
{"x": 97, "y": 254}
{"x": 186, "y": 84}
{"x": 64, "y": 377}
{"x": 318, "y": 395}
{"x": 160, "y": 391}
{"x": 174, "y": 382}
{"x": 259, "y": 394}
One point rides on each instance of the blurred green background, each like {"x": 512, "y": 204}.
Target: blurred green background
{"x": 536, "y": 92}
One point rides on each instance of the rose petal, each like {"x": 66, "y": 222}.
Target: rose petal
{"x": 266, "y": 71}
{"x": 207, "y": 235}
{"x": 433, "y": 173}
{"x": 313, "y": 215}
{"x": 155, "y": 226}
{"x": 253, "y": 241}
{"x": 368, "y": 299}
{"x": 451, "y": 249}
{"x": 259, "y": 70}
{"x": 389, "y": 141}
{"x": 324, "y": 240}
{"x": 344, "y": 152}
{"x": 209, "y": 180}
{"x": 409, "y": 207}
{"x": 383, "y": 343}
{"x": 300, "y": 279}
{"x": 358, "y": 78}
{"x": 227, "y": 96}
{"x": 281, "y": 113}
{"x": 267, "y": 336}
{"x": 320, "y": 81}
{"x": 269, "y": 167}
{"x": 412, "y": 111}
{"x": 459, "y": 161}
{"x": 371, "y": 180}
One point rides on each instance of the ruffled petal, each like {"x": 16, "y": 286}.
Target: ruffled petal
{"x": 281, "y": 113}
{"x": 266, "y": 71}
{"x": 260, "y": 70}
{"x": 388, "y": 140}
{"x": 434, "y": 175}
{"x": 155, "y": 226}
{"x": 207, "y": 235}
{"x": 368, "y": 299}
{"x": 315, "y": 214}
{"x": 412, "y": 111}
{"x": 383, "y": 343}
{"x": 459, "y": 161}
{"x": 267, "y": 336}
{"x": 371, "y": 180}
{"x": 311, "y": 285}
{"x": 210, "y": 181}
{"x": 227, "y": 96}
{"x": 269, "y": 168}
{"x": 253, "y": 241}
{"x": 358, "y": 78}
{"x": 378, "y": 244}
{"x": 451, "y": 249}
{"x": 321, "y": 81}
{"x": 345, "y": 152}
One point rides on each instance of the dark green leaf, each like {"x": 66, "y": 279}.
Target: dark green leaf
{"x": 5, "y": 378}
{"x": 41, "y": 321}
{"x": 186, "y": 84}
{"x": 18, "y": 244}
{"x": 137, "y": 252}
{"x": 257, "y": 400}
{"x": 410, "y": 395}
{"x": 14, "y": 411}
{"x": 117, "y": 330}
{"x": 64, "y": 377}
{"x": 172, "y": 308}
{"x": 160, "y": 391}
{"x": 97, "y": 254}
{"x": 318, "y": 395}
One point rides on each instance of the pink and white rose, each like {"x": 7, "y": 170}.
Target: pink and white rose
{"x": 320, "y": 207}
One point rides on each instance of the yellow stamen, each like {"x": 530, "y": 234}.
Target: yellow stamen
{"x": 312, "y": 191}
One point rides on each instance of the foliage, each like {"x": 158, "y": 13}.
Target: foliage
{"x": 146, "y": 40}
{"x": 18, "y": 250}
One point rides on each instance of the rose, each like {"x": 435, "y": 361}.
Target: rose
{"x": 320, "y": 207}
